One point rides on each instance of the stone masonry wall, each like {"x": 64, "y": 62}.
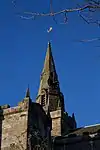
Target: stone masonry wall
{"x": 13, "y": 128}
{"x": 56, "y": 123}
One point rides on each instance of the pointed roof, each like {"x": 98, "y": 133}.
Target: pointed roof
{"x": 49, "y": 65}
{"x": 27, "y": 93}
{"x": 49, "y": 71}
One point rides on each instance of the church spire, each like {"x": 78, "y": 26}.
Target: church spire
{"x": 49, "y": 91}
{"x": 49, "y": 75}
{"x": 49, "y": 65}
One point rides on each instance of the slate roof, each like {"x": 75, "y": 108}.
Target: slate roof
{"x": 92, "y": 129}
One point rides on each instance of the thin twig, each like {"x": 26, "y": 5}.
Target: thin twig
{"x": 89, "y": 40}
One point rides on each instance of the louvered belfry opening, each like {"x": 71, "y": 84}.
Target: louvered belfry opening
{"x": 43, "y": 100}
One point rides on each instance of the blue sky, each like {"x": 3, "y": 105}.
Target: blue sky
{"x": 23, "y": 45}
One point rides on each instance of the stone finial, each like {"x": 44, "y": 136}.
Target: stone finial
{"x": 74, "y": 120}
{"x": 73, "y": 116}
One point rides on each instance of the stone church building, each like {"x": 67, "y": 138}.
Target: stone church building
{"x": 44, "y": 124}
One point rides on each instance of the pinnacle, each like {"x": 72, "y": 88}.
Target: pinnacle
{"x": 27, "y": 93}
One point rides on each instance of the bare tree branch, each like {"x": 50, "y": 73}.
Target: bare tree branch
{"x": 63, "y": 11}
{"x": 89, "y": 6}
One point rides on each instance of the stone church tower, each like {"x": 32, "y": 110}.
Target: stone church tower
{"x": 51, "y": 98}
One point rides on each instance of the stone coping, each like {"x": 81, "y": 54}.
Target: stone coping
{"x": 12, "y": 110}
{"x": 22, "y": 106}
{"x": 56, "y": 114}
